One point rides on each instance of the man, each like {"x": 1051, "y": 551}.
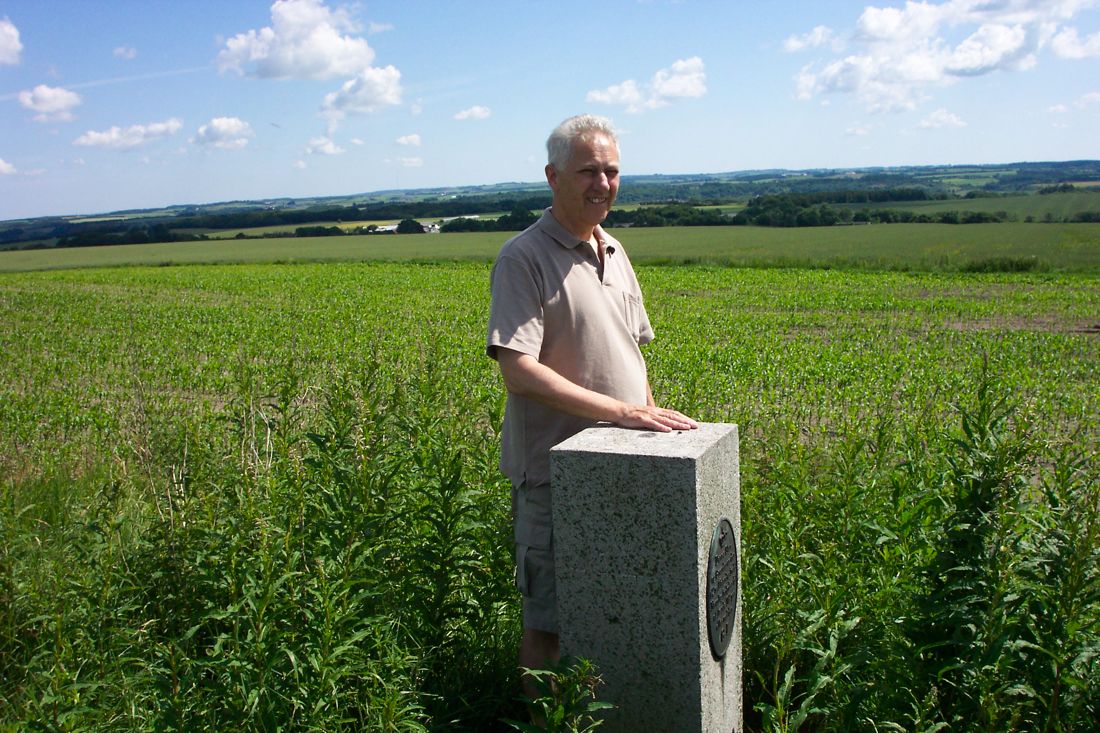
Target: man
{"x": 565, "y": 327}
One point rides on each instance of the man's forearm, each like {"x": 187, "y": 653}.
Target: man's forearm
{"x": 526, "y": 377}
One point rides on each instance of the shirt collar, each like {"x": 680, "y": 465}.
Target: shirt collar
{"x": 563, "y": 237}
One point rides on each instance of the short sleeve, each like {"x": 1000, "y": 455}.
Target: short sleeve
{"x": 515, "y": 311}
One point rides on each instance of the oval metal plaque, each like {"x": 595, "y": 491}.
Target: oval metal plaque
{"x": 722, "y": 572}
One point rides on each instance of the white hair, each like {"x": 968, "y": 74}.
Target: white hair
{"x": 559, "y": 146}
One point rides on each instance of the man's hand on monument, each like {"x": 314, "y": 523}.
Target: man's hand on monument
{"x": 660, "y": 419}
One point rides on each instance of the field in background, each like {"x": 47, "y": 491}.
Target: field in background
{"x": 1059, "y": 207}
{"x": 935, "y": 247}
{"x": 241, "y": 497}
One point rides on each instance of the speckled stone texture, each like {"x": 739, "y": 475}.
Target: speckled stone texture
{"x": 634, "y": 513}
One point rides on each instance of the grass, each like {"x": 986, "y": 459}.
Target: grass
{"x": 258, "y": 496}
{"x": 922, "y": 247}
{"x": 1059, "y": 206}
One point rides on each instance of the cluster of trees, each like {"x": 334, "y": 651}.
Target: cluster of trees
{"x": 129, "y": 235}
{"x": 431, "y": 209}
{"x": 813, "y": 210}
{"x": 672, "y": 215}
{"x": 1059, "y": 188}
{"x": 319, "y": 231}
{"x": 516, "y": 221}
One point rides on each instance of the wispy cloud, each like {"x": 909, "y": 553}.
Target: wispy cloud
{"x": 941, "y": 118}
{"x": 127, "y": 53}
{"x": 410, "y": 140}
{"x": 819, "y": 36}
{"x": 125, "y": 138}
{"x": 6, "y": 168}
{"x": 477, "y": 112}
{"x": 1068, "y": 45}
{"x": 685, "y": 79}
{"x": 1087, "y": 100}
{"x": 10, "y": 46}
{"x": 123, "y": 80}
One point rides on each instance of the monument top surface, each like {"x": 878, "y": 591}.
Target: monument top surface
{"x": 606, "y": 438}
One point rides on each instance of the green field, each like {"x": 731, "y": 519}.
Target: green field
{"x": 261, "y": 496}
{"x": 1062, "y": 206}
{"x": 1058, "y": 247}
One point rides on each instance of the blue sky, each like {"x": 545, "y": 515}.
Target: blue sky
{"x": 146, "y": 103}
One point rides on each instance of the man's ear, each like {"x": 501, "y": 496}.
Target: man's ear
{"x": 551, "y": 176}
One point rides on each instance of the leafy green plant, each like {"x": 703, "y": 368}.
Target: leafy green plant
{"x": 566, "y": 701}
{"x": 796, "y": 698}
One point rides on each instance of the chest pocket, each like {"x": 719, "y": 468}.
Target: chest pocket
{"x": 632, "y": 313}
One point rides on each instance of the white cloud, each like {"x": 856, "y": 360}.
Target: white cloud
{"x": 858, "y": 131}
{"x": 10, "y": 47}
{"x": 374, "y": 28}
{"x": 477, "y": 112}
{"x": 1058, "y": 109}
{"x": 819, "y": 36}
{"x": 1087, "y": 100}
{"x": 323, "y": 146}
{"x": 53, "y": 104}
{"x": 411, "y": 140}
{"x": 900, "y": 54}
{"x": 626, "y": 95}
{"x": 305, "y": 40}
{"x": 119, "y": 138}
{"x": 992, "y": 47}
{"x": 226, "y": 133}
{"x": 412, "y": 162}
{"x": 370, "y": 91}
{"x": 685, "y": 79}
{"x": 357, "y": 141}
{"x": 300, "y": 165}
{"x": 1069, "y": 46}
{"x": 942, "y": 118}
{"x": 128, "y": 53}
{"x": 6, "y": 168}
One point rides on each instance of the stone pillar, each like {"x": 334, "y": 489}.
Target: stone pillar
{"x": 641, "y": 593}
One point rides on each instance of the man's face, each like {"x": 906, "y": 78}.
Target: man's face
{"x": 586, "y": 187}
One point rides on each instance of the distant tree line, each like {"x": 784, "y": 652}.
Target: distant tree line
{"x": 774, "y": 198}
{"x": 434, "y": 209}
{"x": 516, "y": 221}
{"x": 672, "y": 215}
{"x": 130, "y": 235}
{"x": 1059, "y": 188}
{"x": 804, "y": 210}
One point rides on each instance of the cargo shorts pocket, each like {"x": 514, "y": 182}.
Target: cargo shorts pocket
{"x": 533, "y": 516}
{"x": 537, "y": 584}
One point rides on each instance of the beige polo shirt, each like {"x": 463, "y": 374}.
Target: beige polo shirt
{"x": 549, "y": 301}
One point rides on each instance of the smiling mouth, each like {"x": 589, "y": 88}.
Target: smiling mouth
{"x": 594, "y": 200}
